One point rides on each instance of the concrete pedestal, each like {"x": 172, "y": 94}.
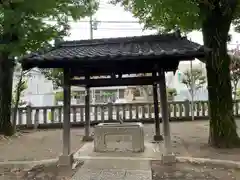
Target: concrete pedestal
{"x": 66, "y": 160}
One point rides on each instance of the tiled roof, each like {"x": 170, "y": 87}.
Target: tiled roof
{"x": 164, "y": 46}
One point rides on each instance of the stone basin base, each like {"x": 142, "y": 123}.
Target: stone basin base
{"x": 115, "y": 137}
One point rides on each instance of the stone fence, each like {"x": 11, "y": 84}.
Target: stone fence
{"x": 52, "y": 116}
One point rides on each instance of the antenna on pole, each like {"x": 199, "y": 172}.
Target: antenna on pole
{"x": 192, "y": 89}
{"x": 93, "y": 26}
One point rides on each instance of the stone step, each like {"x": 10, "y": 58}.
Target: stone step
{"x": 110, "y": 174}
{"x": 152, "y": 150}
{"x": 117, "y": 164}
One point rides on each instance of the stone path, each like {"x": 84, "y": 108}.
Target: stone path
{"x": 114, "y": 169}
{"x": 117, "y": 169}
{"x": 110, "y": 174}
{"x": 109, "y": 166}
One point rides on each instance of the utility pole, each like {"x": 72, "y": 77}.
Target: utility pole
{"x": 192, "y": 89}
{"x": 192, "y": 93}
{"x": 91, "y": 26}
{"x": 91, "y": 37}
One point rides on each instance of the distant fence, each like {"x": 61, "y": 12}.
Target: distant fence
{"x": 52, "y": 116}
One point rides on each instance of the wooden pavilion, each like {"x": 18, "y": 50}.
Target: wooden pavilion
{"x": 111, "y": 59}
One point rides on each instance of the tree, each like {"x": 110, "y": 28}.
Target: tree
{"x": 214, "y": 19}
{"x": 171, "y": 93}
{"x": 26, "y": 27}
{"x": 55, "y": 75}
{"x": 17, "y": 93}
{"x": 194, "y": 80}
{"x": 235, "y": 74}
{"x": 58, "y": 96}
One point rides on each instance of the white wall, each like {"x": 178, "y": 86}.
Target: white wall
{"x": 39, "y": 91}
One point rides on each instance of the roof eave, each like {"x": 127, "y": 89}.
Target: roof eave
{"x": 29, "y": 63}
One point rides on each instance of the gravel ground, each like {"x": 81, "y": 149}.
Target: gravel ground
{"x": 40, "y": 172}
{"x": 37, "y": 145}
{"x": 186, "y": 171}
{"x": 188, "y": 139}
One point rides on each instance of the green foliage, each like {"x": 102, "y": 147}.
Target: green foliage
{"x": 28, "y": 25}
{"x": 238, "y": 93}
{"x": 187, "y": 15}
{"x": 58, "y": 96}
{"x": 171, "y": 93}
{"x": 75, "y": 94}
{"x": 22, "y": 87}
{"x": 108, "y": 94}
{"x": 194, "y": 79}
{"x": 19, "y": 88}
{"x": 55, "y": 75}
{"x": 165, "y": 15}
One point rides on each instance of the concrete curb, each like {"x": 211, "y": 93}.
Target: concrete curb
{"x": 218, "y": 162}
{"x": 207, "y": 161}
{"x": 26, "y": 164}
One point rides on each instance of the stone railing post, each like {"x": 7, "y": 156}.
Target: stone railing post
{"x": 36, "y": 119}
{"x": 187, "y": 108}
{"x": 29, "y": 115}
{"x": 110, "y": 111}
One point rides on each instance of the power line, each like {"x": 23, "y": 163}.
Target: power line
{"x": 114, "y": 22}
{"x": 233, "y": 44}
{"x": 108, "y": 7}
{"x": 113, "y": 29}
{"x": 116, "y": 29}
{"x": 99, "y": 21}
{"x": 126, "y": 29}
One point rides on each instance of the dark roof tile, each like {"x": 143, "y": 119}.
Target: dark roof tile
{"x": 160, "y": 47}
{"x": 156, "y": 45}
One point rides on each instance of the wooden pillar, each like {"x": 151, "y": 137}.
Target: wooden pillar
{"x": 87, "y": 136}
{"x": 67, "y": 158}
{"x": 165, "y": 117}
{"x": 157, "y": 136}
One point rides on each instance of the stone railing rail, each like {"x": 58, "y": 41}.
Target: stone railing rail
{"x": 52, "y": 116}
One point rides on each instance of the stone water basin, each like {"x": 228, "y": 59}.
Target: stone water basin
{"x": 119, "y": 137}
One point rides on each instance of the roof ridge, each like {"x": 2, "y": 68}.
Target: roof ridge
{"x": 117, "y": 40}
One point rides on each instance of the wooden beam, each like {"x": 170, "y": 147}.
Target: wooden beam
{"x": 147, "y": 80}
{"x": 66, "y": 116}
{"x": 157, "y": 136}
{"x": 165, "y": 115}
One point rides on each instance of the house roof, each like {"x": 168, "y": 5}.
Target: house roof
{"x": 160, "y": 48}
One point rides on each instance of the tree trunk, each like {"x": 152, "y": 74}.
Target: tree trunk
{"x": 222, "y": 133}
{"x": 235, "y": 91}
{"x": 17, "y": 98}
{"x": 6, "y": 76}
